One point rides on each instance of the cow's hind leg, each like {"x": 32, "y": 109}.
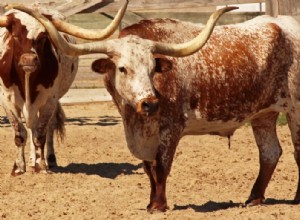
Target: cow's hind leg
{"x": 264, "y": 129}
{"x": 20, "y": 142}
{"x": 56, "y": 124}
{"x": 294, "y": 125}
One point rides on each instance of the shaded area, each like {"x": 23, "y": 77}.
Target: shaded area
{"x": 105, "y": 120}
{"x": 4, "y": 122}
{"x": 210, "y": 206}
{"x": 271, "y": 201}
{"x": 105, "y": 170}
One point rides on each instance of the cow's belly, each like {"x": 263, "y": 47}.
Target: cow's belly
{"x": 196, "y": 124}
{"x": 202, "y": 126}
{"x": 68, "y": 71}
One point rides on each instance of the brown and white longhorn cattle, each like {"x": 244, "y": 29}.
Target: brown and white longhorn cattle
{"x": 247, "y": 72}
{"x": 151, "y": 91}
{"x": 34, "y": 75}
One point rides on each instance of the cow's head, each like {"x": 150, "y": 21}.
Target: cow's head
{"x": 131, "y": 61}
{"x": 129, "y": 68}
{"x": 25, "y": 48}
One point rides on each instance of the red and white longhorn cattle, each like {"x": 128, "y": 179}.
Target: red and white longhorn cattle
{"x": 151, "y": 91}
{"x": 34, "y": 75}
{"x": 247, "y": 72}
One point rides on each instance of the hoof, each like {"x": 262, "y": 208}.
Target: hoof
{"x": 296, "y": 202}
{"x": 51, "y": 161}
{"x": 17, "y": 171}
{"x": 254, "y": 202}
{"x": 156, "y": 208}
{"x": 34, "y": 169}
{"x": 39, "y": 169}
{"x": 46, "y": 172}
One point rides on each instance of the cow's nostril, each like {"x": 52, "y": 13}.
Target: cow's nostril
{"x": 149, "y": 107}
{"x": 146, "y": 106}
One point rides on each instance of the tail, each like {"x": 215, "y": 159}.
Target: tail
{"x": 58, "y": 122}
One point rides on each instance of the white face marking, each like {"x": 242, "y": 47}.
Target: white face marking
{"x": 135, "y": 56}
{"x": 33, "y": 27}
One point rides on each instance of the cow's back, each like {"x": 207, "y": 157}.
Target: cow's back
{"x": 163, "y": 30}
{"x": 242, "y": 69}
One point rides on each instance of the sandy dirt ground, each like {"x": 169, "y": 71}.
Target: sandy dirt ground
{"x": 98, "y": 178}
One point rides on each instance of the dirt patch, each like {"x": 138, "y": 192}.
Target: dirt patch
{"x": 98, "y": 178}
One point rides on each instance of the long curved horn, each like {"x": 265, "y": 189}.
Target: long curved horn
{"x": 178, "y": 50}
{"x": 67, "y": 48}
{"x": 82, "y": 32}
{"x": 4, "y": 21}
{"x": 190, "y": 47}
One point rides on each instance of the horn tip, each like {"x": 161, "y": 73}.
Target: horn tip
{"x": 14, "y": 6}
{"x": 230, "y": 8}
{"x": 8, "y": 6}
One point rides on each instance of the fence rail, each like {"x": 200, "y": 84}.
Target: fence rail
{"x": 69, "y": 7}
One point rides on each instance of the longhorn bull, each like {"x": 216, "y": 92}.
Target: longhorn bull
{"x": 34, "y": 75}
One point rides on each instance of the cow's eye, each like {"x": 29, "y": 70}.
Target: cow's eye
{"x": 122, "y": 69}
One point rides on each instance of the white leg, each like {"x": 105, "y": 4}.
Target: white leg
{"x": 20, "y": 138}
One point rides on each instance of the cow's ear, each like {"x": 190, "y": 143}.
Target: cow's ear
{"x": 103, "y": 66}
{"x": 162, "y": 65}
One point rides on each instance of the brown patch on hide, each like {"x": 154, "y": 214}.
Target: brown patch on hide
{"x": 19, "y": 44}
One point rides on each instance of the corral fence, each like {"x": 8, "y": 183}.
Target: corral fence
{"x": 98, "y": 14}
{"x": 137, "y": 7}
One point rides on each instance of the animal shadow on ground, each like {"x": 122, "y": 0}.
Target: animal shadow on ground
{"x": 105, "y": 170}
{"x": 105, "y": 120}
{"x": 271, "y": 201}
{"x": 4, "y": 122}
{"x": 210, "y": 206}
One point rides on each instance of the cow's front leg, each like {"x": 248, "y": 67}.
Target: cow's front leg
{"x": 158, "y": 171}
{"x": 39, "y": 133}
{"x": 158, "y": 178}
{"x": 264, "y": 129}
{"x": 37, "y": 158}
{"x": 20, "y": 138}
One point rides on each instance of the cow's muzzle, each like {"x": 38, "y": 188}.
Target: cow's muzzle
{"x": 148, "y": 106}
{"x": 29, "y": 62}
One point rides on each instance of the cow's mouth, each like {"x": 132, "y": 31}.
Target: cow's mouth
{"x": 29, "y": 62}
{"x": 29, "y": 68}
{"x": 148, "y": 106}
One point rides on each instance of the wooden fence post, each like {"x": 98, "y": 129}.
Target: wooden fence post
{"x": 272, "y": 7}
{"x": 281, "y": 7}
{"x": 2, "y": 10}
